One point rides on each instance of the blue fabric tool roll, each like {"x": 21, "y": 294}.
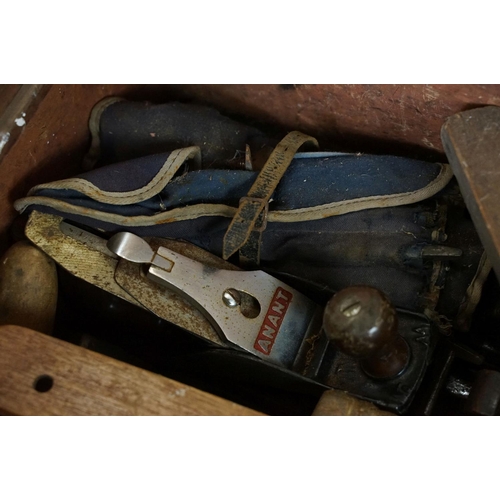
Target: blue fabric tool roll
{"x": 308, "y": 182}
{"x": 332, "y": 247}
{"x": 123, "y": 129}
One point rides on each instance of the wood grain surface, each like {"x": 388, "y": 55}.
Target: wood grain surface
{"x": 28, "y": 288}
{"x": 88, "y": 383}
{"x": 472, "y": 143}
{"x": 7, "y": 93}
{"x": 394, "y": 119}
{"x": 17, "y": 104}
{"x": 335, "y": 403}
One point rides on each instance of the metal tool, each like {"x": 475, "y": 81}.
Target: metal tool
{"x": 250, "y": 318}
{"x": 250, "y": 309}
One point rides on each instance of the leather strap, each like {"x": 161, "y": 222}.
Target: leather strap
{"x": 253, "y": 204}
{"x": 249, "y": 253}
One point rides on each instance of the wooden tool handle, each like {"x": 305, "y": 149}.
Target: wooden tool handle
{"x": 28, "y": 288}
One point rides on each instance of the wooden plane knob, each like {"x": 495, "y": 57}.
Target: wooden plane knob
{"x": 361, "y": 322}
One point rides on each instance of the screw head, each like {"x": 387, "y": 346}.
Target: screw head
{"x": 231, "y": 297}
{"x": 360, "y": 321}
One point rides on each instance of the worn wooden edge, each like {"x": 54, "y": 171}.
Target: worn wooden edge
{"x": 401, "y": 119}
{"x": 89, "y": 383}
{"x": 335, "y": 403}
{"x": 18, "y": 112}
{"x": 7, "y": 93}
{"x": 472, "y": 146}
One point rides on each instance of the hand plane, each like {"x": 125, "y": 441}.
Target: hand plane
{"x": 357, "y": 342}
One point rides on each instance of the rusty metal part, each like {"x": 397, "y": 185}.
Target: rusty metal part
{"x": 418, "y": 255}
{"x": 86, "y": 256}
{"x": 458, "y": 387}
{"x": 165, "y": 303}
{"x": 344, "y": 373}
{"x": 471, "y": 141}
{"x": 394, "y": 394}
{"x": 440, "y": 252}
{"x": 484, "y": 396}
{"x": 241, "y": 161}
{"x": 340, "y": 404}
{"x": 274, "y": 334}
{"x": 28, "y": 288}
{"x": 361, "y": 322}
{"x": 433, "y": 294}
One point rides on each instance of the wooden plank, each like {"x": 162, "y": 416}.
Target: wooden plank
{"x": 7, "y": 93}
{"x": 88, "y": 383}
{"x": 393, "y": 119}
{"x": 335, "y": 403}
{"x": 472, "y": 143}
{"x": 17, "y": 111}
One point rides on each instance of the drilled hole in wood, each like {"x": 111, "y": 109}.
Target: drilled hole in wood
{"x": 43, "y": 383}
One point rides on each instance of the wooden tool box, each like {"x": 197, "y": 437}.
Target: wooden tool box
{"x": 44, "y": 136}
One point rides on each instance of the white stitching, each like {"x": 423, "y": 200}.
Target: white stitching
{"x": 175, "y": 160}
{"x": 205, "y": 210}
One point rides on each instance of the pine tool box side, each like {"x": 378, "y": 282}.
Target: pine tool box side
{"x": 94, "y": 333}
